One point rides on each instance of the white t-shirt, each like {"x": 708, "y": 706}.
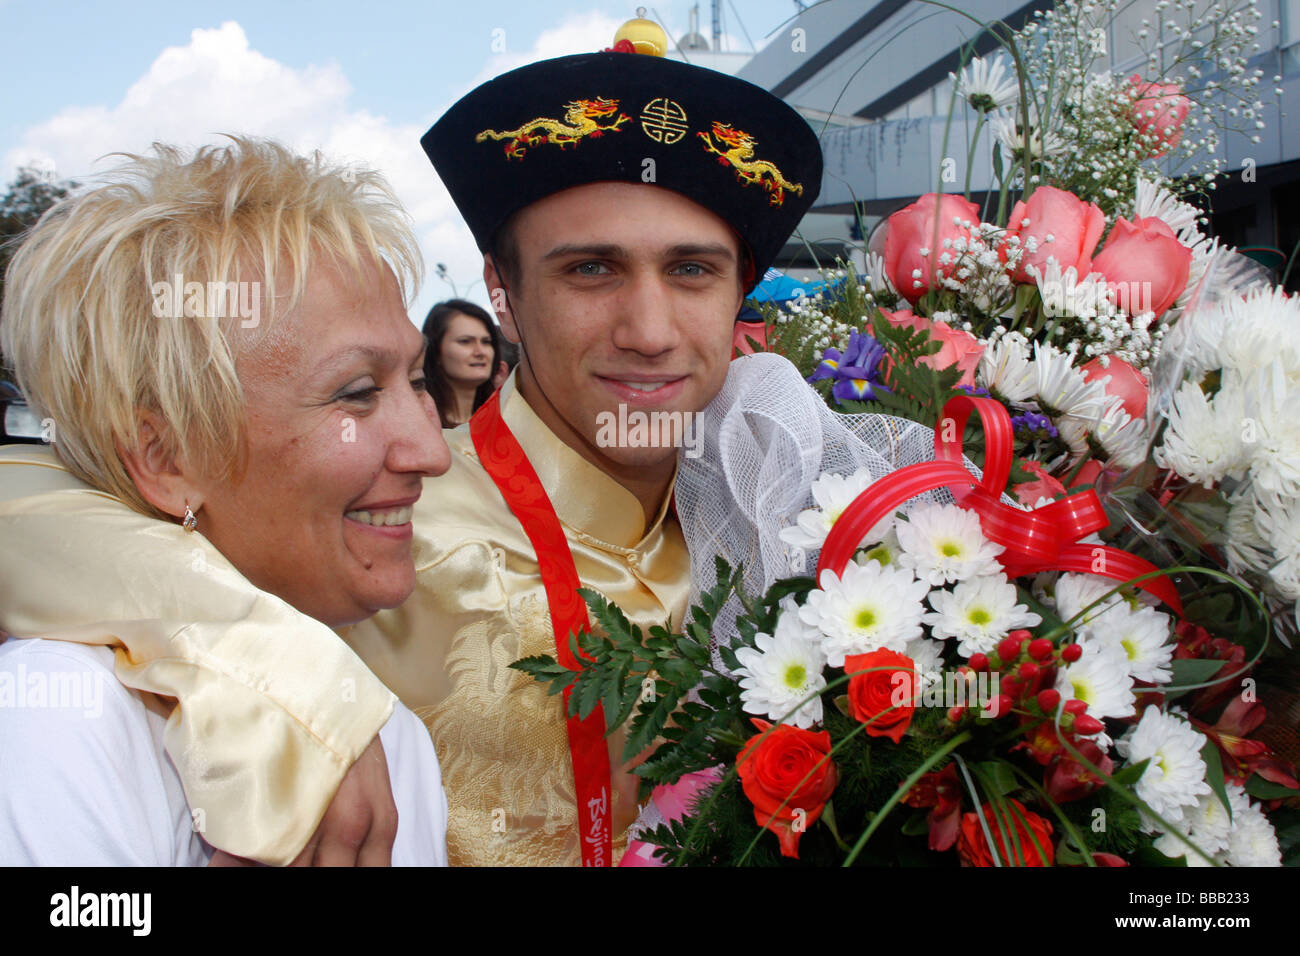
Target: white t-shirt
{"x": 85, "y": 781}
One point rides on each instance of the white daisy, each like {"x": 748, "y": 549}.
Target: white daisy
{"x": 1175, "y": 777}
{"x": 1100, "y": 679}
{"x": 877, "y": 277}
{"x": 944, "y": 543}
{"x": 1153, "y": 200}
{"x": 780, "y": 672}
{"x": 832, "y": 494}
{"x": 1065, "y": 294}
{"x": 984, "y": 84}
{"x": 1142, "y": 633}
{"x": 927, "y": 656}
{"x": 1074, "y": 592}
{"x": 1007, "y": 126}
{"x": 979, "y": 613}
{"x": 885, "y": 553}
{"x": 869, "y": 608}
{"x": 1206, "y": 825}
{"x": 1074, "y": 403}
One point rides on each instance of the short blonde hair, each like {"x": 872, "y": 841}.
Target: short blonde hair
{"x": 80, "y": 326}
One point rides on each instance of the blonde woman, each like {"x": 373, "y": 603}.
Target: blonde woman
{"x": 220, "y": 344}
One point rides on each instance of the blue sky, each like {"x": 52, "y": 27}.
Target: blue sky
{"x": 360, "y": 80}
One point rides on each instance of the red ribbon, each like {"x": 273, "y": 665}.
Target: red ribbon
{"x": 1044, "y": 539}
{"x": 509, "y": 467}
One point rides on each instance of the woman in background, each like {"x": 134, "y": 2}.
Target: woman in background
{"x": 463, "y": 358}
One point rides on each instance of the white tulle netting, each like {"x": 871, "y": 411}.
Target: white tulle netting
{"x": 763, "y": 441}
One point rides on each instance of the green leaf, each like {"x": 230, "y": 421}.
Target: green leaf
{"x": 1214, "y": 774}
{"x": 998, "y": 776}
{"x": 1130, "y": 774}
{"x": 1262, "y": 789}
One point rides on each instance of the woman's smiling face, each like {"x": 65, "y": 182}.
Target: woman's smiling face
{"x": 340, "y": 434}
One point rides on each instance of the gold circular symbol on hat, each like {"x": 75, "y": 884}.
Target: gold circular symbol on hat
{"x": 663, "y": 120}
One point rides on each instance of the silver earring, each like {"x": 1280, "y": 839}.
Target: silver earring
{"x": 189, "y": 522}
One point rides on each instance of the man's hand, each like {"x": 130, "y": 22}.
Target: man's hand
{"x": 359, "y": 825}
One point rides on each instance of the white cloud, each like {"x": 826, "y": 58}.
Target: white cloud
{"x": 218, "y": 83}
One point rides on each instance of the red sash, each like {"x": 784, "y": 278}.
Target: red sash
{"x": 510, "y": 468}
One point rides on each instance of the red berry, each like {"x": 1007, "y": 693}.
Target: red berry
{"x": 1028, "y": 671}
{"x": 1071, "y": 653}
{"x": 999, "y": 706}
{"x": 1075, "y": 706}
{"x": 955, "y": 714}
{"x": 1048, "y": 699}
{"x": 1009, "y": 646}
{"x": 1041, "y": 649}
{"x": 979, "y": 662}
{"x": 1087, "y": 725}
{"x": 1014, "y": 687}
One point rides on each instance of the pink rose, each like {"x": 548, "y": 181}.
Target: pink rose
{"x": 1145, "y": 265}
{"x": 1062, "y": 226}
{"x": 1126, "y": 383}
{"x": 959, "y": 348}
{"x": 1158, "y": 113}
{"x": 925, "y": 225}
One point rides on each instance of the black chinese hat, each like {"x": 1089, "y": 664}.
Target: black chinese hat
{"x": 730, "y": 146}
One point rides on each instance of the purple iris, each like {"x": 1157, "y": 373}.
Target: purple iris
{"x": 1038, "y": 426}
{"x": 856, "y": 372}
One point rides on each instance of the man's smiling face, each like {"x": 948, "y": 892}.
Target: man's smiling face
{"x": 624, "y": 295}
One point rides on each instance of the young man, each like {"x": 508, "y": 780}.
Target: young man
{"x": 624, "y": 204}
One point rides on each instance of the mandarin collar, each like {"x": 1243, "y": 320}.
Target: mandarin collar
{"x": 586, "y": 500}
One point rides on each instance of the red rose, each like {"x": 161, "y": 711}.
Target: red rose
{"x": 959, "y": 348}
{"x": 1145, "y": 265}
{"x": 1126, "y": 383}
{"x": 925, "y": 225}
{"x": 1074, "y": 226}
{"x": 1158, "y": 113}
{"x": 882, "y": 692}
{"x": 772, "y": 769}
{"x": 1029, "y": 827}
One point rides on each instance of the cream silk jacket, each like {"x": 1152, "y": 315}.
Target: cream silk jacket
{"x": 273, "y": 707}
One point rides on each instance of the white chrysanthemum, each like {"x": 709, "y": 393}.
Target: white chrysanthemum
{"x": 979, "y": 613}
{"x": 1203, "y": 441}
{"x": 1273, "y": 445}
{"x": 1123, "y": 437}
{"x": 1007, "y": 127}
{"x": 1252, "y": 841}
{"x": 944, "y": 543}
{"x": 1153, "y": 200}
{"x": 1248, "y": 536}
{"x": 1074, "y": 403}
{"x": 1174, "y": 779}
{"x": 1074, "y": 592}
{"x": 1064, "y": 294}
{"x": 885, "y": 552}
{"x": 870, "y": 607}
{"x": 780, "y": 672}
{"x": 927, "y": 656}
{"x": 985, "y": 85}
{"x": 1100, "y": 679}
{"x": 1006, "y": 370}
{"x": 1143, "y": 635}
{"x": 1206, "y": 825}
{"x": 832, "y": 494}
{"x": 1259, "y": 330}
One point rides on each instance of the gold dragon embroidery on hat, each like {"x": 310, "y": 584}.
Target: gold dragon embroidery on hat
{"x": 581, "y": 119}
{"x": 738, "y": 151}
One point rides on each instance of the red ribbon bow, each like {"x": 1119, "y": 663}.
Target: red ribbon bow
{"x": 1043, "y": 539}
